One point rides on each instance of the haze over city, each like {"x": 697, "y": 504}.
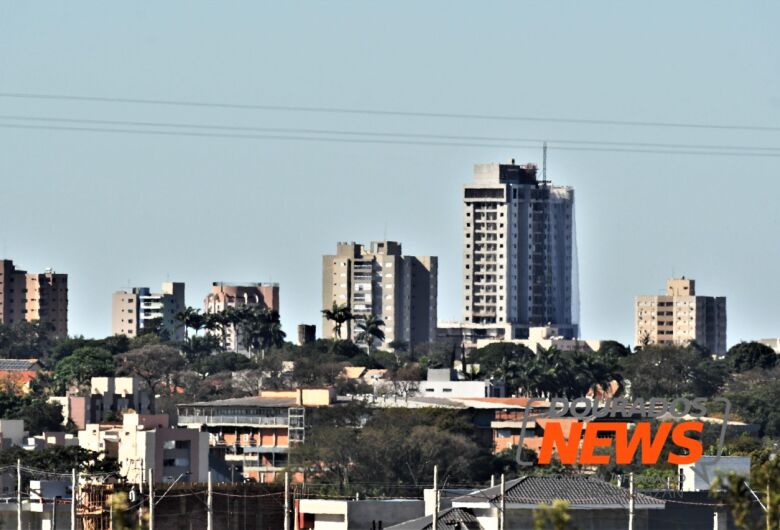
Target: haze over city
{"x": 123, "y": 209}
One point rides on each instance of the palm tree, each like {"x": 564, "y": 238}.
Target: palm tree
{"x": 338, "y": 314}
{"x": 370, "y": 330}
{"x": 191, "y": 318}
{"x": 261, "y": 328}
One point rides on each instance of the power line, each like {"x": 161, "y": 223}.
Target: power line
{"x": 382, "y": 134}
{"x": 385, "y": 112}
{"x": 386, "y": 141}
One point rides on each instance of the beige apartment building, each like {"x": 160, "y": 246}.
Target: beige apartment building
{"x": 134, "y": 310}
{"x": 33, "y": 296}
{"x": 681, "y": 317}
{"x": 519, "y": 254}
{"x": 224, "y": 295}
{"x": 379, "y": 280}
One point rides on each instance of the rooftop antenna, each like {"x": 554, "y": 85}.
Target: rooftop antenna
{"x": 544, "y": 163}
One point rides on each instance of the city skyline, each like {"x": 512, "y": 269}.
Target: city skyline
{"x": 200, "y": 209}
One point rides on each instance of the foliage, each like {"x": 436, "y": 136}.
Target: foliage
{"x": 339, "y": 315}
{"x": 748, "y": 355}
{"x": 754, "y": 396}
{"x": 154, "y": 364}
{"x": 82, "y": 365}
{"x": 37, "y": 413}
{"x": 370, "y": 331}
{"x": 393, "y": 453}
{"x": 672, "y": 371}
{"x": 59, "y": 459}
{"x": 26, "y": 340}
{"x": 552, "y": 517}
{"x": 735, "y": 492}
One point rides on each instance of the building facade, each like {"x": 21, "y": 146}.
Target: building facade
{"x": 519, "y": 253}
{"x": 379, "y": 280}
{"x": 33, "y": 296}
{"x": 224, "y": 295}
{"x": 254, "y": 434}
{"x": 138, "y": 309}
{"x": 681, "y": 317}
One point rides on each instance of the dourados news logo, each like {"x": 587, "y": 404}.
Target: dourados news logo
{"x": 585, "y": 437}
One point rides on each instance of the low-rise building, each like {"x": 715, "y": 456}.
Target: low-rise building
{"x": 593, "y": 503}
{"x": 16, "y": 375}
{"x": 74, "y": 409}
{"x": 254, "y": 434}
{"x": 12, "y": 433}
{"x": 147, "y": 441}
{"x": 50, "y": 439}
{"x": 326, "y": 514}
{"x": 699, "y": 475}
{"x": 441, "y": 383}
{"x": 546, "y": 337}
{"x": 110, "y": 396}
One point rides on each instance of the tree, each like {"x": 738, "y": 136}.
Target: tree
{"x": 370, "y": 331}
{"x": 82, "y": 365}
{"x": 552, "y": 517}
{"x": 748, "y": 355}
{"x": 754, "y": 396}
{"x": 154, "y": 364}
{"x": 506, "y": 362}
{"x": 338, "y": 314}
{"x": 672, "y": 371}
{"x": 59, "y": 459}
{"x": 191, "y": 319}
{"x": 37, "y": 413}
{"x": 261, "y": 328}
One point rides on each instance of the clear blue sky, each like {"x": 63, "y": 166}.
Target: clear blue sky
{"x": 114, "y": 210}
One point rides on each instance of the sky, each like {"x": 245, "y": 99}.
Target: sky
{"x": 119, "y": 209}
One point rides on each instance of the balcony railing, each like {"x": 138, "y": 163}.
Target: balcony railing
{"x": 259, "y": 421}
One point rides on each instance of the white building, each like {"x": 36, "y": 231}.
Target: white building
{"x": 700, "y": 475}
{"x": 137, "y": 309}
{"x": 519, "y": 253}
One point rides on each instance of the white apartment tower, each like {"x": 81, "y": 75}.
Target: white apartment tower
{"x": 136, "y": 309}
{"x": 519, "y": 253}
{"x": 379, "y": 280}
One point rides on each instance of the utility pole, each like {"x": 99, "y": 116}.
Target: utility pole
{"x": 151, "y": 499}
{"x": 286, "y": 501}
{"x": 631, "y": 501}
{"x": 19, "y": 494}
{"x": 502, "y": 515}
{"x": 54, "y": 513}
{"x": 435, "y": 519}
{"x": 768, "y": 505}
{"x": 210, "y": 506}
{"x": 73, "y": 497}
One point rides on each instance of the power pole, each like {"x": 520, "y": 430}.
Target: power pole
{"x": 151, "y": 499}
{"x": 768, "y": 505}
{"x": 502, "y": 515}
{"x": 19, "y": 494}
{"x": 73, "y": 497}
{"x": 631, "y": 501}
{"x": 435, "y": 497}
{"x": 210, "y": 507}
{"x": 286, "y": 501}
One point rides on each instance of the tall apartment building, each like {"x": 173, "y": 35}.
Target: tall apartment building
{"x": 32, "y": 296}
{"x": 680, "y": 317}
{"x": 519, "y": 253}
{"x": 137, "y": 309}
{"x": 224, "y": 295}
{"x": 379, "y": 280}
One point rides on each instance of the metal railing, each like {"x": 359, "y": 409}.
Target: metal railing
{"x": 280, "y": 421}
